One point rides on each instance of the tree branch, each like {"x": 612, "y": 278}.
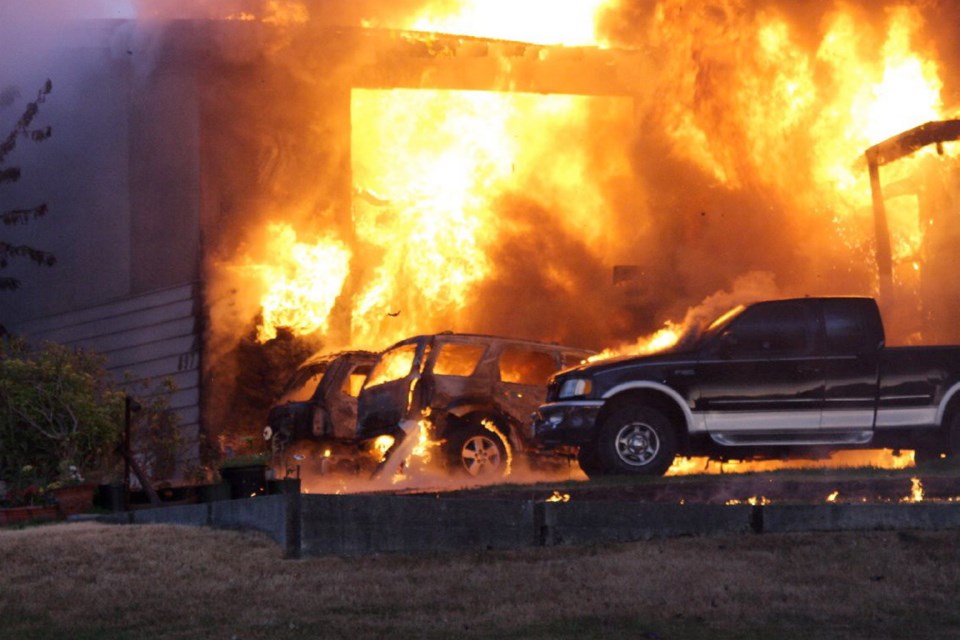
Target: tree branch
{"x": 22, "y": 128}
{"x": 23, "y": 216}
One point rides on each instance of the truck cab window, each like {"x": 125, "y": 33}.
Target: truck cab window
{"x": 847, "y": 332}
{"x": 782, "y": 329}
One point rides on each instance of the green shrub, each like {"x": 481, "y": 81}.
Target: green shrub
{"x": 58, "y": 408}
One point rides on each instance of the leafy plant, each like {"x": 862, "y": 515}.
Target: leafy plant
{"x": 58, "y": 409}
{"x": 244, "y": 451}
{"x": 26, "y": 488}
{"x": 157, "y": 440}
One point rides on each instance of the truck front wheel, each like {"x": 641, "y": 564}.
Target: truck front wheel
{"x": 589, "y": 461}
{"x": 636, "y": 441}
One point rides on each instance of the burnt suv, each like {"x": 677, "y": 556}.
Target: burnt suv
{"x": 319, "y": 403}
{"x": 477, "y": 393}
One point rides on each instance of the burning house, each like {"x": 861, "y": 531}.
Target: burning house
{"x": 231, "y": 182}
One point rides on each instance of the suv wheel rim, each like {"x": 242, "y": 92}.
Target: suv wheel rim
{"x": 480, "y": 455}
{"x": 637, "y": 444}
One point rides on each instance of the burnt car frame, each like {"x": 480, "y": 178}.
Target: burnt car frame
{"x": 476, "y": 392}
{"x": 318, "y": 407}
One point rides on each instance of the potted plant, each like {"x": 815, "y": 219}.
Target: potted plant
{"x": 246, "y": 474}
{"x": 59, "y": 411}
{"x": 25, "y": 498}
{"x": 72, "y": 492}
{"x": 290, "y": 482}
{"x": 245, "y": 468}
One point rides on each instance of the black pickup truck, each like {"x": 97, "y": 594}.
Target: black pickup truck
{"x": 782, "y": 378}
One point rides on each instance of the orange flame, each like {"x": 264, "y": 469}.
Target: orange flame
{"x": 536, "y": 21}
{"x": 301, "y": 285}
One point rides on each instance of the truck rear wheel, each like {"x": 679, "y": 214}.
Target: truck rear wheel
{"x": 947, "y": 447}
{"x": 636, "y": 441}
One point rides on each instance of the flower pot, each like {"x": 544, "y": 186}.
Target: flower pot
{"x": 213, "y": 492}
{"x": 28, "y": 513}
{"x": 74, "y": 498}
{"x": 283, "y": 485}
{"x": 246, "y": 481}
{"x": 112, "y": 497}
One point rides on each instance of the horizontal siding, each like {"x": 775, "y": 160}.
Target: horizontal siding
{"x": 182, "y": 349}
{"x": 109, "y": 310}
{"x": 92, "y": 330}
{"x": 145, "y": 340}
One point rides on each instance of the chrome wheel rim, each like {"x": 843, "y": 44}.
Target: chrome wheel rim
{"x": 480, "y": 456}
{"x": 637, "y": 444}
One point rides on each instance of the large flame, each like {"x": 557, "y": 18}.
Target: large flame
{"x": 301, "y": 284}
{"x": 752, "y": 99}
{"x": 541, "y": 21}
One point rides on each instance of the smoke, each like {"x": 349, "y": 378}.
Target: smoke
{"x": 710, "y": 189}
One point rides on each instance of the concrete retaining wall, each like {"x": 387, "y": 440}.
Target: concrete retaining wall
{"x": 859, "y": 517}
{"x": 356, "y": 525}
{"x": 315, "y": 525}
{"x": 274, "y": 515}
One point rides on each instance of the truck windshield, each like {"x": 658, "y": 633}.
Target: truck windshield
{"x": 721, "y": 323}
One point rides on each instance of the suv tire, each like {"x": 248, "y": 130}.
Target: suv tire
{"x": 477, "y": 452}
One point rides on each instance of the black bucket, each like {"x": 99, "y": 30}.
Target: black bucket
{"x": 213, "y": 492}
{"x": 245, "y": 482}
{"x": 283, "y": 485}
{"x": 112, "y": 497}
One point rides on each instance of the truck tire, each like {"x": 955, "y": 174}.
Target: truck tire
{"x": 589, "y": 462}
{"x": 947, "y": 447}
{"x": 477, "y": 452}
{"x": 636, "y": 441}
{"x": 953, "y": 437}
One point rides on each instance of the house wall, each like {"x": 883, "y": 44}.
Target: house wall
{"x": 120, "y": 176}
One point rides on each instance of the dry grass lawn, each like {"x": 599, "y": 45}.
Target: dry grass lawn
{"x": 97, "y": 581}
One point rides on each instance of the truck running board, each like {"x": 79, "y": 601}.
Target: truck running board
{"x": 809, "y": 438}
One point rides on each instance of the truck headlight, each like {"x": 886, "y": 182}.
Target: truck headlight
{"x": 575, "y": 387}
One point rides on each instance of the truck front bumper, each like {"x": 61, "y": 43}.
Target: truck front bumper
{"x": 566, "y": 423}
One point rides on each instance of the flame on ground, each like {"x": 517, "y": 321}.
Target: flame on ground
{"x": 878, "y": 458}
{"x": 916, "y": 491}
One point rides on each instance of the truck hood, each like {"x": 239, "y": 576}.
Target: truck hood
{"x": 609, "y": 364}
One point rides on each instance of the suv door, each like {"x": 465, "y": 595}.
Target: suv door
{"x": 340, "y": 396}
{"x": 456, "y": 371}
{"x": 384, "y": 400}
{"x": 522, "y": 382}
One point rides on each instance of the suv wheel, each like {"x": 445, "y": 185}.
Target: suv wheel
{"x": 636, "y": 441}
{"x": 478, "y": 452}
